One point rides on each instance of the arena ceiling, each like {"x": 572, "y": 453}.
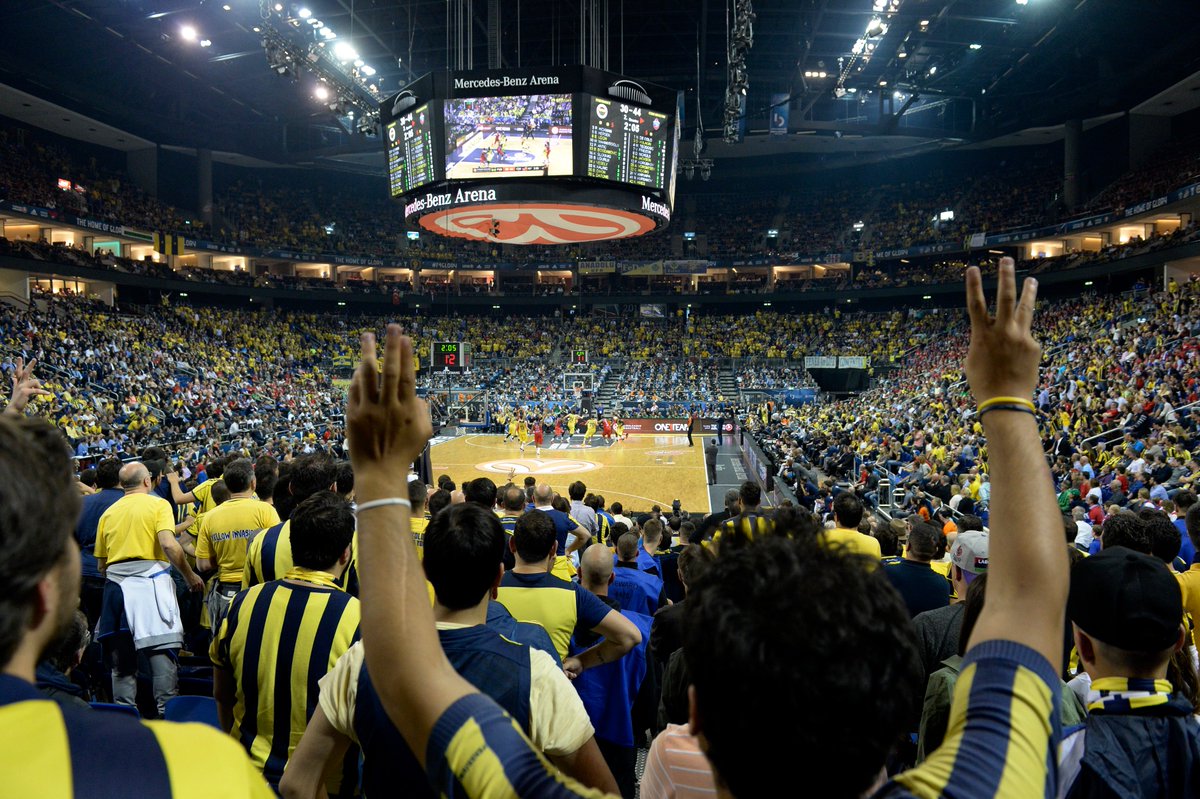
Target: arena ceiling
{"x": 979, "y": 69}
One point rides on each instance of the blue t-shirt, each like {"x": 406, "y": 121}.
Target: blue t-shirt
{"x": 89, "y": 519}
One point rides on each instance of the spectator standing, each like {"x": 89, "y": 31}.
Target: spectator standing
{"x": 919, "y": 585}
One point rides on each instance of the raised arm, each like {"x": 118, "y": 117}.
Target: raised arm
{"x": 24, "y": 387}
{"x": 1027, "y": 569}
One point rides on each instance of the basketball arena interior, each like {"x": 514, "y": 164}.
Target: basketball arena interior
{"x": 697, "y": 348}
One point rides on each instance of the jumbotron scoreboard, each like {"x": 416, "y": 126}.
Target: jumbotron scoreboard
{"x": 549, "y": 156}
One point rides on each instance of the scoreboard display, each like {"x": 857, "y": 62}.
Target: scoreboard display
{"x": 628, "y": 143}
{"x": 579, "y": 356}
{"x": 410, "y": 160}
{"x": 450, "y": 356}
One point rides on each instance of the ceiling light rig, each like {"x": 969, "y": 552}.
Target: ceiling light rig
{"x": 741, "y": 41}
{"x": 347, "y": 85}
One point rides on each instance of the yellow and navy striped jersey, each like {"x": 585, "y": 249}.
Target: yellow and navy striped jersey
{"x": 53, "y": 752}
{"x": 225, "y": 534}
{"x": 203, "y": 495}
{"x": 750, "y": 526}
{"x": 269, "y": 557}
{"x": 477, "y": 750}
{"x": 278, "y": 640}
{"x": 557, "y": 605}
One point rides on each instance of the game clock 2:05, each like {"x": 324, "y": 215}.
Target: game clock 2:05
{"x": 447, "y": 355}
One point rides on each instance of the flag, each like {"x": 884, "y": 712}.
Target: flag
{"x": 780, "y": 107}
{"x": 168, "y": 244}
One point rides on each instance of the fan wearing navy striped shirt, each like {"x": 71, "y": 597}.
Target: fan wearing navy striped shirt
{"x": 55, "y": 752}
{"x": 837, "y": 636}
{"x": 749, "y": 525}
{"x": 282, "y": 636}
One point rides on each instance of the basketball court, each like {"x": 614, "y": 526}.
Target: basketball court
{"x": 642, "y": 471}
{"x": 478, "y": 156}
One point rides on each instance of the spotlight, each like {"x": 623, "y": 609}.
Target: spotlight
{"x": 227, "y": 7}
{"x": 206, "y": 43}
{"x": 321, "y": 93}
{"x": 875, "y": 28}
{"x": 279, "y": 6}
{"x": 188, "y": 33}
{"x": 368, "y": 70}
{"x": 304, "y": 13}
{"x": 976, "y": 46}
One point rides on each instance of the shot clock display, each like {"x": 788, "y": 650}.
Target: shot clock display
{"x": 579, "y": 356}
{"x": 453, "y": 356}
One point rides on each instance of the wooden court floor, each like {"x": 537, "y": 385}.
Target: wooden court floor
{"x": 641, "y": 471}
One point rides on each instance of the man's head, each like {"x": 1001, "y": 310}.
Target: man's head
{"x": 803, "y": 706}
{"x": 310, "y": 474}
{"x": 847, "y": 510}
{"x": 322, "y": 527}
{"x": 652, "y": 535}
{"x": 596, "y": 570}
{"x": 1126, "y": 610}
{"x": 732, "y": 498}
{"x": 693, "y": 563}
{"x": 1125, "y": 529}
{"x": 344, "y": 480}
{"x": 617, "y": 509}
{"x": 970, "y": 557}
{"x": 266, "y": 475}
{"x": 514, "y": 501}
{"x": 239, "y": 476}
{"x": 438, "y": 501}
{"x": 464, "y": 548}
{"x": 543, "y": 495}
{"x": 534, "y": 539}
{"x": 923, "y": 542}
{"x": 1165, "y": 540}
{"x": 108, "y": 473}
{"x": 135, "y": 478}
{"x": 627, "y": 548}
{"x": 418, "y": 493}
{"x": 576, "y": 491}
{"x": 40, "y": 567}
{"x": 686, "y": 531}
{"x": 749, "y": 495}
{"x": 481, "y": 491}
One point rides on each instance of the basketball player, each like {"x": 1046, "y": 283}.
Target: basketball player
{"x": 619, "y": 428}
{"x": 572, "y": 421}
{"x": 547, "y": 152}
{"x": 538, "y": 437}
{"x": 514, "y": 426}
{"x": 523, "y": 434}
{"x": 502, "y": 419}
{"x": 606, "y": 431}
{"x": 590, "y": 431}
{"x": 558, "y": 429}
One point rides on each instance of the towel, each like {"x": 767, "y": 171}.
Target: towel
{"x": 151, "y": 607}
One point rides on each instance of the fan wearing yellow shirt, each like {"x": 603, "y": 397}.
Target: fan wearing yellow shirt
{"x": 202, "y": 493}
{"x": 225, "y": 534}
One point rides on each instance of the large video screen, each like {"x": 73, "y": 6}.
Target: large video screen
{"x": 628, "y": 143}
{"x": 410, "y": 151}
{"x": 507, "y": 137}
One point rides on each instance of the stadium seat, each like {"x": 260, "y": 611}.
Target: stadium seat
{"x": 109, "y": 707}
{"x": 200, "y": 709}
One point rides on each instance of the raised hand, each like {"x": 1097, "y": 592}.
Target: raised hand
{"x": 24, "y": 387}
{"x": 1003, "y": 357}
{"x": 387, "y": 426}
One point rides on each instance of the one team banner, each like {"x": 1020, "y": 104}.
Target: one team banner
{"x": 853, "y": 362}
{"x": 780, "y": 110}
{"x": 820, "y": 362}
{"x": 673, "y": 426}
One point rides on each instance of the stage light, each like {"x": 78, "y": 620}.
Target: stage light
{"x": 368, "y": 70}
{"x": 206, "y": 43}
{"x": 304, "y": 13}
{"x": 321, "y": 93}
{"x": 279, "y": 6}
{"x": 883, "y": 83}
{"x": 326, "y": 32}
{"x": 876, "y": 28}
{"x": 976, "y": 46}
{"x": 344, "y": 51}
{"x": 227, "y": 7}
{"x": 188, "y": 33}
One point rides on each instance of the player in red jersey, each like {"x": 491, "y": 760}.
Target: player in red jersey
{"x": 558, "y": 428}
{"x": 538, "y": 437}
{"x": 606, "y": 431}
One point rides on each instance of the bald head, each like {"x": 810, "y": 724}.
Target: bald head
{"x": 133, "y": 477}
{"x": 543, "y": 494}
{"x": 596, "y": 565}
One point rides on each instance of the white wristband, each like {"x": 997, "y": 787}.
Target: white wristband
{"x": 379, "y": 503}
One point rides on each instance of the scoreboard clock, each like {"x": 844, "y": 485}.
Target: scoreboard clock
{"x": 579, "y": 356}
{"x": 449, "y": 355}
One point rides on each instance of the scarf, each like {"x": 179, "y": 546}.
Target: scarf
{"x": 1120, "y": 694}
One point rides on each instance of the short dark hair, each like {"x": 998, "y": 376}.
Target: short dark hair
{"x": 750, "y": 493}
{"x": 37, "y": 479}
{"x": 533, "y": 536}
{"x": 627, "y": 547}
{"x": 832, "y": 608}
{"x": 1192, "y": 522}
{"x": 1184, "y": 500}
{"x": 238, "y": 475}
{"x": 345, "y": 478}
{"x": 1165, "y": 540}
{"x": 847, "y": 509}
{"x": 88, "y": 478}
{"x": 1125, "y": 529}
{"x": 108, "y": 473}
{"x": 693, "y": 562}
{"x": 686, "y": 531}
{"x": 617, "y": 509}
{"x": 530, "y": 481}
{"x": 220, "y": 492}
{"x": 481, "y": 491}
{"x": 968, "y": 522}
{"x": 576, "y": 491}
{"x": 463, "y": 550}
{"x": 322, "y": 526}
{"x": 418, "y": 493}
{"x": 63, "y": 652}
{"x": 889, "y": 542}
{"x": 438, "y": 500}
{"x": 310, "y": 474}
{"x": 443, "y": 479}
{"x": 923, "y": 541}
{"x": 215, "y": 467}
{"x": 514, "y": 499}
{"x": 266, "y": 475}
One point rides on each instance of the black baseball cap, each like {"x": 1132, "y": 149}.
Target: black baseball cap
{"x": 1126, "y": 599}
